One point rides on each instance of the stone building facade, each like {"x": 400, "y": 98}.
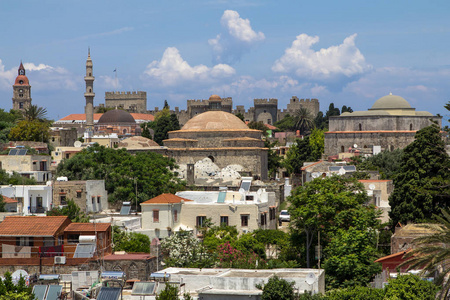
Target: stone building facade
{"x": 390, "y": 124}
{"x": 224, "y": 139}
{"x": 89, "y": 195}
{"x": 133, "y": 102}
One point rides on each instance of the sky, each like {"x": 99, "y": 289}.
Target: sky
{"x": 343, "y": 52}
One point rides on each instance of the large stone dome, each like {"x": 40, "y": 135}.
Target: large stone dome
{"x": 215, "y": 120}
{"x": 116, "y": 116}
{"x": 391, "y": 102}
{"x": 137, "y": 142}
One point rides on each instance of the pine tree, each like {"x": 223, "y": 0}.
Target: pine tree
{"x": 420, "y": 181}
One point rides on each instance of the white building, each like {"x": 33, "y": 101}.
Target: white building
{"x": 31, "y": 199}
{"x": 188, "y": 210}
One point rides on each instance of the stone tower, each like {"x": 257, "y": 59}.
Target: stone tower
{"x": 89, "y": 94}
{"x": 21, "y": 91}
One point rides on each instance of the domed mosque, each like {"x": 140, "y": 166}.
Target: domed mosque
{"x": 117, "y": 121}
{"x": 222, "y": 138}
{"x": 390, "y": 123}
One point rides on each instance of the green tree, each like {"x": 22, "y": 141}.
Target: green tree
{"x": 163, "y": 123}
{"x": 286, "y": 124}
{"x": 149, "y": 173}
{"x": 387, "y": 163}
{"x": 274, "y": 161}
{"x": 240, "y": 116}
{"x": 410, "y": 287}
{"x": 329, "y": 204}
{"x": 432, "y": 252}
{"x": 258, "y": 126}
{"x": 346, "y": 109}
{"x": 30, "y": 130}
{"x": 299, "y": 152}
{"x": 146, "y": 130}
{"x": 277, "y": 289}
{"x": 355, "y": 293}
{"x": 2, "y": 204}
{"x": 9, "y": 290}
{"x": 317, "y": 143}
{"x": 218, "y": 235}
{"x": 171, "y": 292}
{"x": 72, "y": 210}
{"x": 35, "y": 113}
{"x": 304, "y": 120}
{"x": 424, "y": 164}
{"x": 130, "y": 242}
{"x": 15, "y": 179}
{"x": 350, "y": 257}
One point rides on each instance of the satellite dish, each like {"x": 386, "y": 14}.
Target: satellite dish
{"x": 77, "y": 144}
{"x": 259, "y": 192}
{"x": 372, "y": 186}
{"x": 310, "y": 278}
{"x": 242, "y": 191}
{"x": 355, "y": 146}
{"x": 315, "y": 175}
{"x": 342, "y": 171}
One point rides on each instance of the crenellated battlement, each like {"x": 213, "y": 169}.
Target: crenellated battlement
{"x": 265, "y": 101}
{"x": 121, "y": 95}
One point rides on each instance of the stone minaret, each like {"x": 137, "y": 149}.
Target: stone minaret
{"x": 21, "y": 90}
{"x": 89, "y": 94}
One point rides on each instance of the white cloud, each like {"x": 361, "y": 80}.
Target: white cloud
{"x": 173, "y": 70}
{"x": 237, "y": 37}
{"x": 41, "y": 76}
{"x": 300, "y": 59}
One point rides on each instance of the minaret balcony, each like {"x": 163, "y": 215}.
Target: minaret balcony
{"x": 89, "y": 78}
{"x": 91, "y": 94}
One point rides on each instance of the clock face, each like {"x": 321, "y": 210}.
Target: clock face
{"x": 22, "y": 72}
{"x": 20, "y": 91}
{"x": 21, "y": 81}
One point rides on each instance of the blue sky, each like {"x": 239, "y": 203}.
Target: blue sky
{"x": 346, "y": 52}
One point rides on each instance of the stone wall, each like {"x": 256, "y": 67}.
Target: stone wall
{"x": 135, "y": 102}
{"x": 214, "y": 138}
{"x": 371, "y": 123}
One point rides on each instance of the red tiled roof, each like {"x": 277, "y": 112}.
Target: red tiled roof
{"x": 79, "y": 227}
{"x": 128, "y": 256}
{"x": 82, "y": 117}
{"x": 394, "y": 255}
{"x": 32, "y": 225}
{"x": 373, "y": 180}
{"x": 165, "y": 198}
{"x": 306, "y": 167}
{"x": 9, "y": 200}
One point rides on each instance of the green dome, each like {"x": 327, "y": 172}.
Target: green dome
{"x": 391, "y": 102}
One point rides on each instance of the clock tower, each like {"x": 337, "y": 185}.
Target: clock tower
{"x": 21, "y": 91}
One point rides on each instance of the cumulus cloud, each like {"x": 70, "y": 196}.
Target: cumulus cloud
{"x": 109, "y": 82}
{"x": 173, "y": 70}
{"x": 341, "y": 60}
{"x": 41, "y": 77}
{"x": 236, "y": 38}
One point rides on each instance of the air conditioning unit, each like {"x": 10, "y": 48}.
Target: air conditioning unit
{"x": 60, "y": 260}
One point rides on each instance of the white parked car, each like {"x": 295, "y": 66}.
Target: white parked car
{"x": 284, "y": 216}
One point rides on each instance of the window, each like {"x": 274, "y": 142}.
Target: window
{"x": 67, "y": 155}
{"x": 360, "y": 127}
{"x": 93, "y": 200}
{"x": 48, "y": 242}
{"x": 20, "y": 95}
{"x": 244, "y": 220}
{"x": 201, "y": 220}
{"x": 78, "y": 194}
{"x": 61, "y": 240}
{"x": 175, "y": 215}
{"x": 73, "y": 238}
{"x": 249, "y": 197}
{"x": 25, "y": 241}
{"x": 223, "y": 220}
{"x": 155, "y": 216}
{"x": 39, "y": 202}
{"x": 62, "y": 200}
{"x": 263, "y": 219}
{"x": 410, "y": 127}
{"x": 98, "y": 199}
{"x": 20, "y": 104}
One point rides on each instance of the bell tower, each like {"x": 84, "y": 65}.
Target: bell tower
{"x": 21, "y": 90}
{"x": 89, "y": 94}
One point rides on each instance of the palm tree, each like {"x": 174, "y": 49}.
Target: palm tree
{"x": 35, "y": 112}
{"x": 432, "y": 253}
{"x": 304, "y": 120}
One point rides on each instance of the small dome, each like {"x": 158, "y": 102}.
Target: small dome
{"x": 214, "y": 98}
{"x": 391, "y": 102}
{"x": 116, "y": 116}
{"x": 137, "y": 142}
{"x": 215, "y": 120}
{"x": 22, "y": 80}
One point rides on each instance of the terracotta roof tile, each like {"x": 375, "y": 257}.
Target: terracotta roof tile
{"x": 32, "y": 225}
{"x": 306, "y": 167}
{"x": 82, "y": 117}
{"x": 398, "y": 254}
{"x": 9, "y": 200}
{"x": 78, "y": 227}
{"x": 165, "y": 198}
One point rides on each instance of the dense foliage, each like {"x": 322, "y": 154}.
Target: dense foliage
{"x": 15, "y": 179}
{"x": 9, "y": 290}
{"x": 277, "y": 289}
{"x": 149, "y": 173}
{"x": 163, "y": 123}
{"x": 170, "y": 292}
{"x": 422, "y": 182}
{"x": 7, "y": 121}
{"x": 72, "y": 210}
{"x": 387, "y": 163}
{"x": 328, "y": 205}
{"x": 299, "y": 152}
{"x": 34, "y": 130}
{"x": 130, "y": 241}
